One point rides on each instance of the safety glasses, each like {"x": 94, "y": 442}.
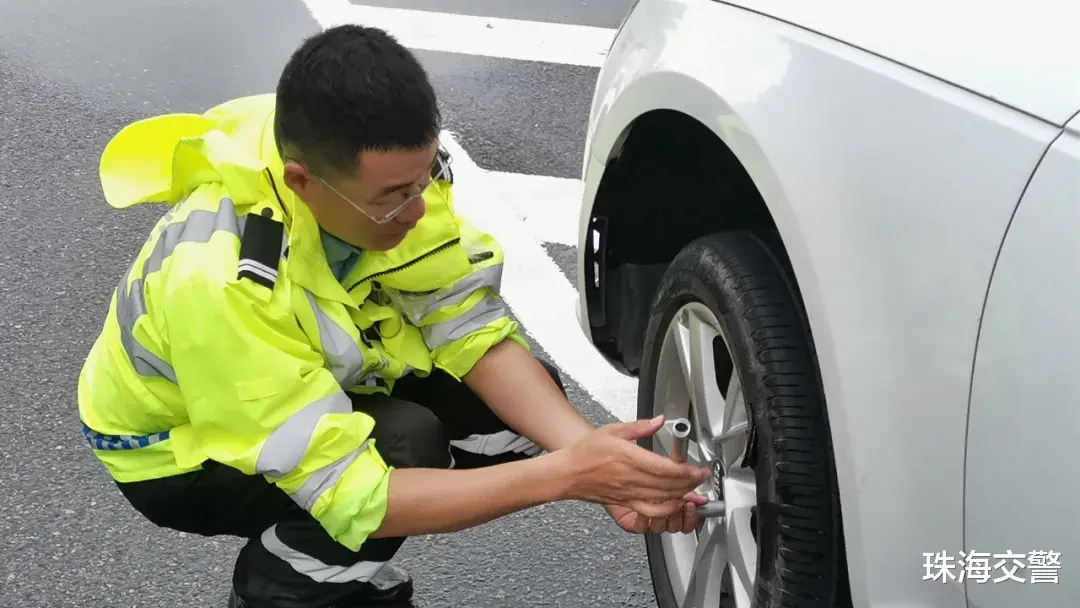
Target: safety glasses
{"x": 371, "y": 210}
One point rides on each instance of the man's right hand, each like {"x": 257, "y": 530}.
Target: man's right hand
{"x": 607, "y": 467}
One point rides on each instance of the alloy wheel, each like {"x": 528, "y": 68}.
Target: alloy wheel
{"x": 697, "y": 379}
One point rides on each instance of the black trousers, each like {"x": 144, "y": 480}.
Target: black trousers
{"x": 290, "y": 561}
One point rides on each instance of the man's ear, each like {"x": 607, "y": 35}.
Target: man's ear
{"x": 297, "y": 178}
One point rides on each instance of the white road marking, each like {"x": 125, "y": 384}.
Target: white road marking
{"x": 521, "y": 211}
{"x": 549, "y": 206}
{"x": 487, "y": 36}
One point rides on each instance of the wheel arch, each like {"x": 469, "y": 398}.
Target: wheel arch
{"x": 644, "y": 189}
{"x": 626, "y": 242}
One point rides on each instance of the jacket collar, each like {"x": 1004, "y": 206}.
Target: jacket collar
{"x": 307, "y": 264}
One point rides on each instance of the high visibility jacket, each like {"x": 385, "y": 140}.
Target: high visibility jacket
{"x": 228, "y": 339}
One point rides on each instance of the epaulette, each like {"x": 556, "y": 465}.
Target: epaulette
{"x": 260, "y": 248}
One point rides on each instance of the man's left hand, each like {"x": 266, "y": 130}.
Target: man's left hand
{"x": 684, "y": 519}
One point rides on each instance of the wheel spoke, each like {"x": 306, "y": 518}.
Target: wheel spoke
{"x": 679, "y": 550}
{"x": 671, "y": 396}
{"x": 742, "y": 553}
{"x": 695, "y": 339}
{"x": 734, "y": 405}
{"x": 710, "y": 559}
{"x": 680, "y": 337}
{"x": 700, "y": 454}
{"x": 735, "y": 427}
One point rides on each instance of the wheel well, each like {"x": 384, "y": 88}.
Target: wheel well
{"x": 672, "y": 181}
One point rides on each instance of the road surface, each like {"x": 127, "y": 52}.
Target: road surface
{"x": 73, "y": 73}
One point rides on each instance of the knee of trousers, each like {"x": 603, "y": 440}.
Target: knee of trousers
{"x": 408, "y": 435}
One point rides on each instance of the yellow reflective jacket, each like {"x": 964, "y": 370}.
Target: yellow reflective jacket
{"x": 229, "y": 339}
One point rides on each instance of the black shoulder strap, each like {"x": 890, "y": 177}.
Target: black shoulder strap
{"x": 260, "y": 249}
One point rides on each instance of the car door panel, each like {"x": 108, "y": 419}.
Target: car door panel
{"x": 1021, "y": 490}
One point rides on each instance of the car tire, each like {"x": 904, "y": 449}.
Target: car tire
{"x": 796, "y": 523}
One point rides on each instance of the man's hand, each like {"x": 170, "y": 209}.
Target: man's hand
{"x": 607, "y": 467}
{"x": 684, "y": 519}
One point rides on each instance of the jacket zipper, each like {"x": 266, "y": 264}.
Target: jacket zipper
{"x": 412, "y": 262}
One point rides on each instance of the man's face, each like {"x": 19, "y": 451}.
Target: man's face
{"x": 386, "y": 188}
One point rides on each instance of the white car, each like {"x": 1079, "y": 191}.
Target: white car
{"x": 842, "y": 238}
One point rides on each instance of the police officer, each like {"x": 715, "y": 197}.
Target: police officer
{"x": 310, "y": 351}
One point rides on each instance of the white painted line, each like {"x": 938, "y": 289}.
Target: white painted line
{"x": 549, "y": 206}
{"x": 534, "y": 287}
{"x": 487, "y": 36}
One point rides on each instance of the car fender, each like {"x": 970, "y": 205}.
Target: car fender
{"x": 892, "y": 259}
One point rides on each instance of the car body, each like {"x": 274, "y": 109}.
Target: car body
{"x": 918, "y": 164}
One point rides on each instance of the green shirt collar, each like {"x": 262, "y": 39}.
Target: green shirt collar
{"x": 340, "y": 255}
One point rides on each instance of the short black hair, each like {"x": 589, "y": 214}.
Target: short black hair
{"x": 352, "y": 89}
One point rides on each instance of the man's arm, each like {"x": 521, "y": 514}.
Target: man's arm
{"x": 605, "y": 467}
{"x": 520, "y": 391}
{"x": 435, "y": 501}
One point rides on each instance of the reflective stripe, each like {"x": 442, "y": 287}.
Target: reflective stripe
{"x": 416, "y": 307}
{"x": 199, "y": 227}
{"x": 342, "y": 353}
{"x": 486, "y": 311}
{"x": 316, "y": 569}
{"x": 497, "y": 443}
{"x": 325, "y": 478}
{"x": 285, "y": 447}
{"x": 388, "y": 577}
{"x": 121, "y": 442}
{"x": 264, "y": 271}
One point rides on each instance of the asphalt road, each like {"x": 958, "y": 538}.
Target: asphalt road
{"x": 73, "y": 73}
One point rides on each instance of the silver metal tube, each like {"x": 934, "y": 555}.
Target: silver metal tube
{"x": 680, "y": 433}
{"x": 680, "y": 441}
{"x": 713, "y": 508}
